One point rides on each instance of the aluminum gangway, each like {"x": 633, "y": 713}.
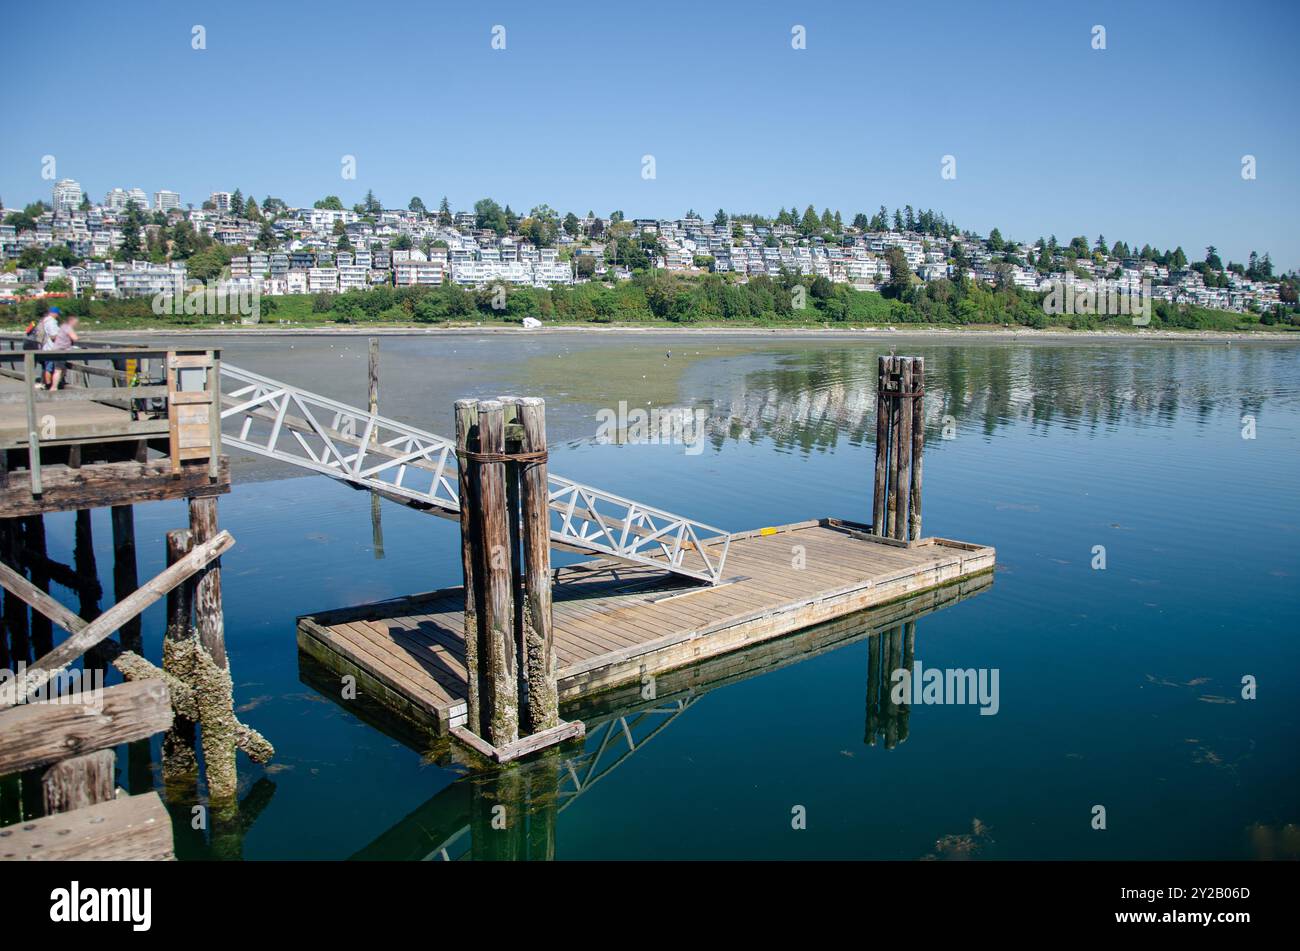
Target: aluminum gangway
{"x": 418, "y": 468}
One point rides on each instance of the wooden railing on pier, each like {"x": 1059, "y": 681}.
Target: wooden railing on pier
{"x": 167, "y": 399}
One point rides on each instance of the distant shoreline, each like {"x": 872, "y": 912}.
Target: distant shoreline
{"x": 922, "y": 330}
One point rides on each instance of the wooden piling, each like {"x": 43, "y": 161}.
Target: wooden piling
{"x": 502, "y": 705}
{"x": 513, "y": 441}
{"x": 918, "y": 443}
{"x": 38, "y": 561}
{"x": 14, "y": 613}
{"x": 210, "y": 676}
{"x": 180, "y": 762}
{"x": 79, "y": 782}
{"x": 83, "y": 560}
{"x": 891, "y": 526}
{"x": 882, "y": 446}
{"x": 376, "y": 526}
{"x": 125, "y": 580}
{"x": 538, "y": 632}
{"x": 900, "y": 444}
{"x": 125, "y": 576}
{"x": 903, "y": 467}
{"x": 467, "y": 436}
{"x": 373, "y": 376}
{"x": 209, "y": 619}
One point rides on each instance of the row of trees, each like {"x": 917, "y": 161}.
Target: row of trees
{"x": 663, "y": 296}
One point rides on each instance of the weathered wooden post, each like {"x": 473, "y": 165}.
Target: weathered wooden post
{"x": 902, "y": 471}
{"x": 373, "y": 401}
{"x": 180, "y": 763}
{"x": 125, "y": 581}
{"x": 538, "y": 634}
{"x": 376, "y": 526}
{"x": 83, "y": 561}
{"x": 882, "y": 446}
{"x": 38, "y": 558}
{"x": 15, "y": 611}
{"x": 209, "y": 619}
{"x": 78, "y": 782}
{"x": 513, "y": 441}
{"x": 125, "y": 576}
{"x": 506, "y": 560}
{"x": 900, "y": 443}
{"x": 918, "y": 443}
{"x": 467, "y": 436}
{"x": 212, "y": 682}
{"x": 502, "y": 703}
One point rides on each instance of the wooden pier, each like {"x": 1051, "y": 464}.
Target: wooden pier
{"x": 616, "y": 624}
{"x": 131, "y": 425}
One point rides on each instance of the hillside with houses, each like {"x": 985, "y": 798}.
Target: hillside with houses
{"x": 132, "y": 246}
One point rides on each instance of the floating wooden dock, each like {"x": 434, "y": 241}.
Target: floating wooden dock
{"x": 617, "y": 624}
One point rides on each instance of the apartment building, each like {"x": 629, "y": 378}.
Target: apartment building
{"x": 411, "y": 273}
{"x": 67, "y": 196}
{"x": 322, "y": 280}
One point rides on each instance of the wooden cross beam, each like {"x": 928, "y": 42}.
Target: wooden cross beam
{"x": 80, "y": 641}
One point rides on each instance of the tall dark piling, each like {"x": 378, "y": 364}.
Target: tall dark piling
{"x": 467, "y": 491}
{"x": 506, "y": 559}
{"x": 538, "y": 636}
{"x": 900, "y": 443}
{"x": 180, "y": 762}
{"x": 498, "y": 620}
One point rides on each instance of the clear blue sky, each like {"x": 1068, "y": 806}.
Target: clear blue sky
{"x": 1141, "y": 142}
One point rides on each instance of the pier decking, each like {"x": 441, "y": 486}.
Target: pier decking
{"x": 616, "y": 624}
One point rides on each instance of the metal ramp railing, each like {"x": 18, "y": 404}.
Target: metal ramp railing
{"x": 418, "y": 468}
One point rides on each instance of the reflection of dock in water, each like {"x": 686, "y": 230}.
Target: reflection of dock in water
{"x": 458, "y": 822}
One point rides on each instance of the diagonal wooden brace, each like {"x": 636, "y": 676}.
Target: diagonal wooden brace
{"x": 87, "y": 635}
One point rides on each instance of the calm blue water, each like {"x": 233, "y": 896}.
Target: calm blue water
{"x": 1119, "y": 687}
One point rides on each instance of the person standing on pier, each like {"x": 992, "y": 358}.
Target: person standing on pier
{"x": 47, "y": 329}
{"x": 65, "y": 338}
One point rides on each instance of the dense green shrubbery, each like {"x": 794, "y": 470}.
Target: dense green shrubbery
{"x": 655, "y": 297}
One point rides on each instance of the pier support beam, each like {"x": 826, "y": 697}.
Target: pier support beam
{"x": 900, "y": 442}
{"x": 180, "y": 762}
{"x": 210, "y": 669}
{"x": 34, "y": 543}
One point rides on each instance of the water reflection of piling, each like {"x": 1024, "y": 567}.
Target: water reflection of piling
{"x": 873, "y": 688}
{"x": 895, "y": 648}
{"x": 909, "y": 654}
{"x": 513, "y": 811}
{"x": 887, "y": 651}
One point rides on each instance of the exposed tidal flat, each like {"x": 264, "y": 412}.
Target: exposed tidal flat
{"x": 1118, "y": 686}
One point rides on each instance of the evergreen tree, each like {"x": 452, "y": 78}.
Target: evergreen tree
{"x": 810, "y": 223}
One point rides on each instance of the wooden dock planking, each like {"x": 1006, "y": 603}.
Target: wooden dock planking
{"x": 616, "y": 623}
{"x": 129, "y": 828}
{"x": 74, "y": 419}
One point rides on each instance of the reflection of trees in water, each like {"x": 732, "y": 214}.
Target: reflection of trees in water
{"x": 811, "y": 399}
